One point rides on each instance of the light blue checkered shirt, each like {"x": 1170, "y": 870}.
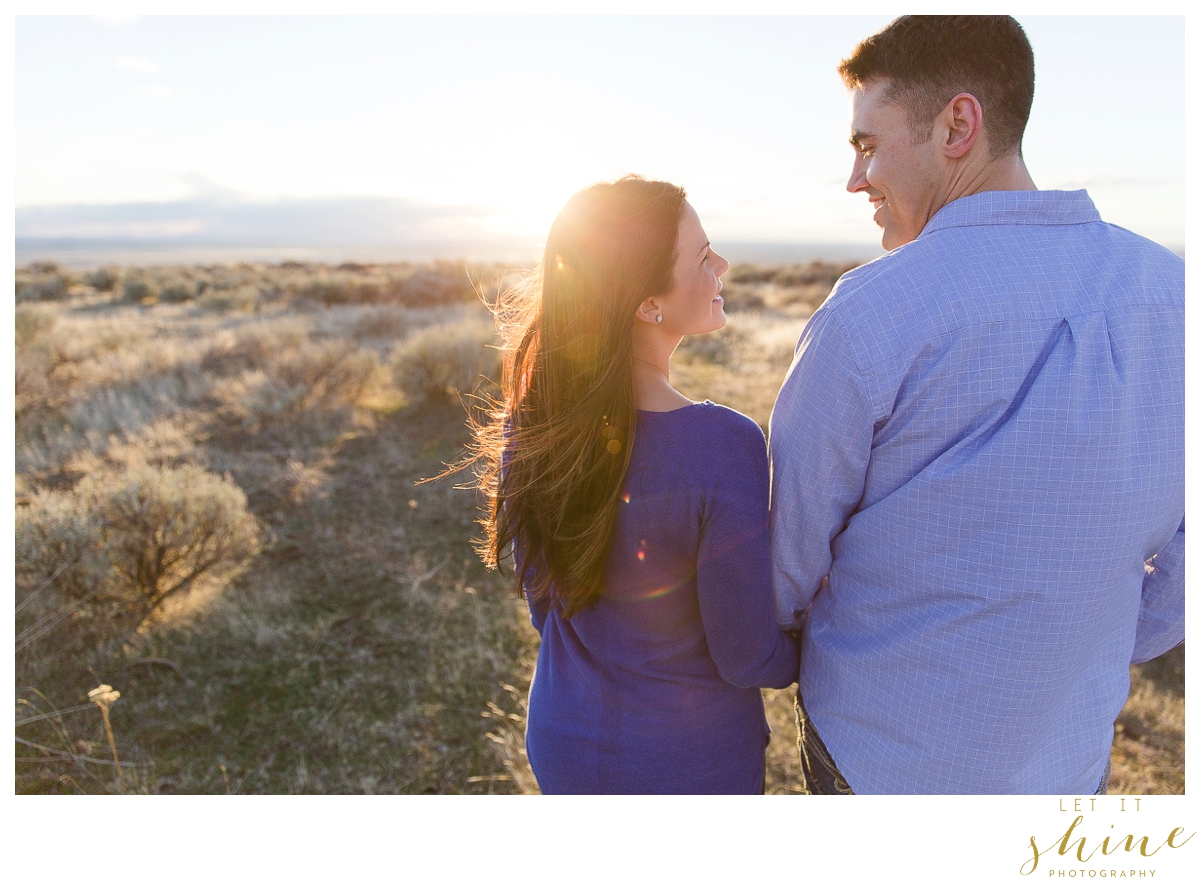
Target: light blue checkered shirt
{"x": 980, "y": 442}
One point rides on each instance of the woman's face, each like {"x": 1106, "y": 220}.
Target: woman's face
{"x": 694, "y": 304}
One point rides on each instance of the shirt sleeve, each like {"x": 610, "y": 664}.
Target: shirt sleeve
{"x": 1160, "y": 620}
{"x": 821, "y": 433}
{"x": 537, "y": 613}
{"x": 733, "y": 574}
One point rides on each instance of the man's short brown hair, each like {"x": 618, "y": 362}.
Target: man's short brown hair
{"x": 931, "y": 58}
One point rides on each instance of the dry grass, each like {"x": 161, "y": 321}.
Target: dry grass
{"x": 742, "y": 365}
{"x": 1149, "y": 746}
{"x": 365, "y": 649}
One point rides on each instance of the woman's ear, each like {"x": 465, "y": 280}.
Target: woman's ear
{"x": 649, "y": 311}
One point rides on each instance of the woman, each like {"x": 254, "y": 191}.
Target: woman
{"x": 637, "y": 517}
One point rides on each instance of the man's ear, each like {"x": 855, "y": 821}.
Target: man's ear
{"x": 963, "y": 125}
{"x": 648, "y": 311}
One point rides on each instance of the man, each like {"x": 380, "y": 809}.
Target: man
{"x": 977, "y": 455}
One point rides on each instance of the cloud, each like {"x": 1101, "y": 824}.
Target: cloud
{"x": 156, "y": 91}
{"x": 203, "y": 187}
{"x": 142, "y": 65}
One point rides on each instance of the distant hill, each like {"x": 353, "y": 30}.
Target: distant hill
{"x": 228, "y": 229}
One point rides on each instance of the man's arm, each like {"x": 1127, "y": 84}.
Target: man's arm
{"x": 1160, "y": 620}
{"x": 820, "y": 443}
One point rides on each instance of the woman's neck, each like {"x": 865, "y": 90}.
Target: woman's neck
{"x": 652, "y": 388}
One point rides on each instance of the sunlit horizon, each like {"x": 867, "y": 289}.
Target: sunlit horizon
{"x": 479, "y": 128}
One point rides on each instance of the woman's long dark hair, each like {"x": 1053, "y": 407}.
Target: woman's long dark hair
{"x": 553, "y": 453}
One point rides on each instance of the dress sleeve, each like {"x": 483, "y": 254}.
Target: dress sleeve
{"x": 733, "y": 573}
{"x": 1160, "y": 620}
{"x": 821, "y": 433}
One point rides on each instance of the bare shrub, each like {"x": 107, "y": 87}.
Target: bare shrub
{"x": 793, "y": 275}
{"x": 749, "y": 273}
{"x": 117, "y": 545}
{"x": 37, "y": 355}
{"x": 80, "y": 369}
{"x": 245, "y": 298}
{"x": 103, "y": 279}
{"x": 818, "y": 272}
{"x": 139, "y": 289}
{"x": 446, "y": 360}
{"x": 447, "y": 282}
{"x": 127, "y": 406}
{"x": 742, "y": 296}
{"x": 379, "y": 322}
{"x": 31, "y": 322}
{"x": 342, "y": 289}
{"x": 165, "y": 529}
{"x": 810, "y": 284}
{"x": 722, "y": 347}
{"x": 317, "y": 383}
{"x": 428, "y": 288}
{"x": 252, "y": 346}
{"x": 180, "y": 289}
{"x": 102, "y": 404}
{"x": 31, "y": 372}
{"x": 57, "y": 543}
{"x": 41, "y": 287}
{"x": 800, "y": 287}
{"x": 332, "y": 374}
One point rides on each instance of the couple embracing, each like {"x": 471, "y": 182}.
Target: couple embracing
{"x": 966, "y": 524}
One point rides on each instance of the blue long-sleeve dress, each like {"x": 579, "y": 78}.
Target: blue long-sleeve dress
{"x": 655, "y": 689}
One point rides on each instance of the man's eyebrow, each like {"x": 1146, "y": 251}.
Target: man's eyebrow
{"x": 857, "y": 136}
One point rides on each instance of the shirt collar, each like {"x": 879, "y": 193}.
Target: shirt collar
{"x": 1015, "y": 208}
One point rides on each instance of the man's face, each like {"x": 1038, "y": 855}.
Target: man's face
{"x": 905, "y": 181}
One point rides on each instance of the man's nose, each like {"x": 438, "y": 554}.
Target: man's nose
{"x": 858, "y": 175}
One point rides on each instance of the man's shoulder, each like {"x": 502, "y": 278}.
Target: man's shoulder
{"x": 959, "y": 259}
{"x": 1151, "y": 253}
{"x": 874, "y": 286}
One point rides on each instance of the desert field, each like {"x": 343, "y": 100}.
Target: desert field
{"x": 223, "y": 515}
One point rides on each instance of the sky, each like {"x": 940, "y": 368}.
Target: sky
{"x": 460, "y": 129}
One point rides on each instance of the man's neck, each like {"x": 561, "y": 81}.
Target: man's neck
{"x": 1006, "y": 173}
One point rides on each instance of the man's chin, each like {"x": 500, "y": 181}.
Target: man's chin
{"x": 893, "y": 240}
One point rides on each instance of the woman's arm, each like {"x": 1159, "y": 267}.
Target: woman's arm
{"x": 733, "y": 571}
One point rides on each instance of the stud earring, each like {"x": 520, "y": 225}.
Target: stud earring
{"x": 658, "y": 319}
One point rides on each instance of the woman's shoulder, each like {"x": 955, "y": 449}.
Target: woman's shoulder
{"x": 737, "y": 424}
{"x": 710, "y": 427}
